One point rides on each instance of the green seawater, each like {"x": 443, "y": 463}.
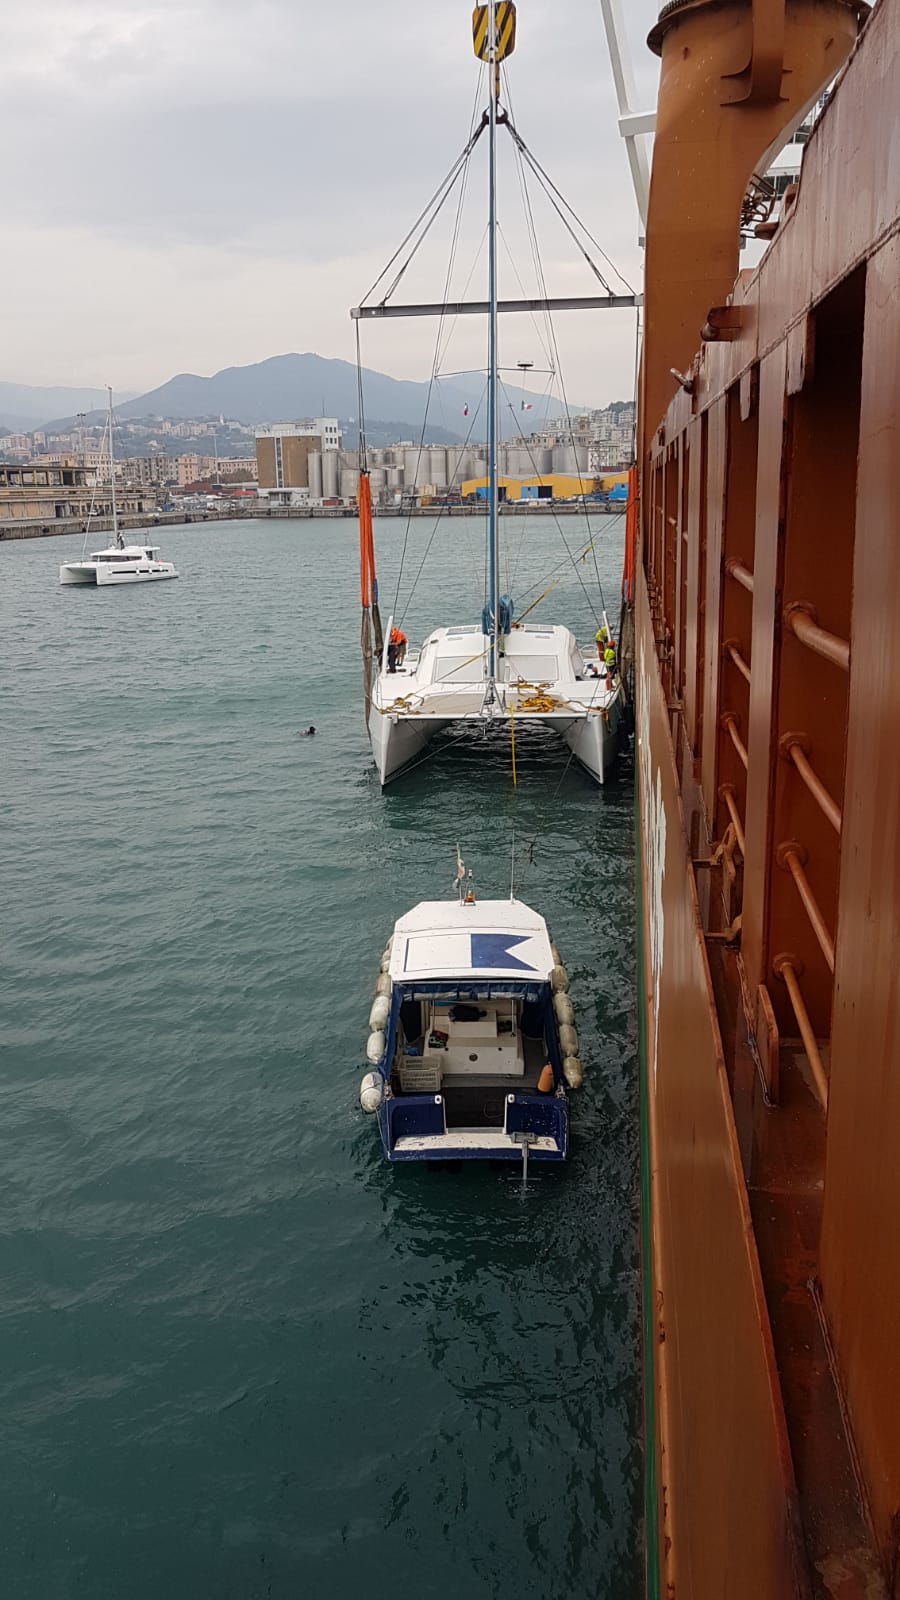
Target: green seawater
{"x": 240, "y": 1355}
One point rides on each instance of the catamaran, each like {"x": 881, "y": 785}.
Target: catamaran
{"x": 120, "y": 563}
{"x": 472, "y": 1044}
{"x": 501, "y": 673}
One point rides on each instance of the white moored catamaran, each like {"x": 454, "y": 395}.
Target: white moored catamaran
{"x": 503, "y": 673}
{"x": 120, "y": 563}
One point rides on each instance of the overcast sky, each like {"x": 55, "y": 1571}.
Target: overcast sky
{"x": 194, "y": 184}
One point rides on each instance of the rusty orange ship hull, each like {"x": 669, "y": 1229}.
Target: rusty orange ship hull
{"x": 767, "y": 684}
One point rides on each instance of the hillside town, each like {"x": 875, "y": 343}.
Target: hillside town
{"x": 54, "y": 479}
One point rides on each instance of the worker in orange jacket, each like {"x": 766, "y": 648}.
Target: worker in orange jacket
{"x": 396, "y": 649}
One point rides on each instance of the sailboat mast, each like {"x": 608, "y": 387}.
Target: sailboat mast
{"x": 112, "y": 472}
{"x": 493, "y": 487}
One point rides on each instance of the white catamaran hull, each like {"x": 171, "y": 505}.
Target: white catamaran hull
{"x": 94, "y": 573}
{"x": 545, "y": 680}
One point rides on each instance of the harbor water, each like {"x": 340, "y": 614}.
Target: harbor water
{"x": 240, "y": 1355}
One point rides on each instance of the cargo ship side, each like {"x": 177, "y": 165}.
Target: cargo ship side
{"x": 766, "y": 589}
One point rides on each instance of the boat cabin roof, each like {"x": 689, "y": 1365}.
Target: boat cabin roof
{"x": 131, "y": 552}
{"x": 491, "y": 938}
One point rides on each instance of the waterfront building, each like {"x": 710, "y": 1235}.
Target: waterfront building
{"x": 36, "y": 495}
{"x": 283, "y": 454}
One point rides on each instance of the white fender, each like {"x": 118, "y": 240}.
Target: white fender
{"x": 568, "y": 1040}
{"x": 371, "y": 1091}
{"x": 565, "y": 1011}
{"x": 381, "y": 1010}
{"x": 559, "y": 980}
{"x": 376, "y": 1044}
{"x": 382, "y": 984}
{"x": 557, "y": 958}
{"x": 573, "y": 1072}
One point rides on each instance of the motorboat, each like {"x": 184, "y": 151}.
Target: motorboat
{"x": 472, "y": 1046}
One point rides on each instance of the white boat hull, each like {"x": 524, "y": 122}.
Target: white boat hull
{"x": 398, "y": 739}
{"x": 546, "y": 680}
{"x": 88, "y": 572}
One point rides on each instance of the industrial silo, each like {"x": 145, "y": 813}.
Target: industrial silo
{"x": 349, "y": 483}
{"x": 437, "y": 470}
{"x": 329, "y": 474}
{"x": 314, "y": 467}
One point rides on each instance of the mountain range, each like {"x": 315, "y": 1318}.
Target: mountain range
{"x": 286, "y": 387}
{"x": 25, "y": 406}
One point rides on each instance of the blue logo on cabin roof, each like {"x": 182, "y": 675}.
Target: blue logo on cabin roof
{"x": 492, "y": 950}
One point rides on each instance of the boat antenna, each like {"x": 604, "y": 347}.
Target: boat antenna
{"x": 512, "y": 869}
{"x": 120, "y": 542}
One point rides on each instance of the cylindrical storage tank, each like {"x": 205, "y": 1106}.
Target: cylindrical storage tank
{"x": 543, "y": 459}
{"x": 349, "y": 483}
{"x": 314, "y": 467}
{"x": 415, "y": 466}
{"x": 329, "y": 474}
{"x": 437, "y": 456}
{"x": 565, "y": 460}
{"x": 395, "y": 477}
{"x": 377, "y": 479}
{"x": 519, "y": 462}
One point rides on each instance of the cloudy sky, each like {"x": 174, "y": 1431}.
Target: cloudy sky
{"x": 194, "y": 184}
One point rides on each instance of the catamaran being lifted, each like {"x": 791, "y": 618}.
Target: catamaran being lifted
{"x": 503, "y": 673}
{"x": 542, "y": 676}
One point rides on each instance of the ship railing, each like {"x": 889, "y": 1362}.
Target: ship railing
{"x": 740, "y": 574}
{"x": 800, "y": 619}
{"x": 795, "y": 748}
{"x": 726, "y": 793}
{"x": 790, "y": 970}
{"x": 729, "y": 723}
{"x": 732, "y": 651}
{"x": 791, "y": 856}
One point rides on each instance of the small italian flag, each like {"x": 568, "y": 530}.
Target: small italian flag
{"x": 526, "y": 406}
{"x": 465, "y": 411}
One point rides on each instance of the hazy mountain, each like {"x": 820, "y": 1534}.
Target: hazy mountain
{"x": 286, "y": 387}
{"x": 25, "y": 406}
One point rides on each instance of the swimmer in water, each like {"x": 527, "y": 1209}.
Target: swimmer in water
{"x": 306, "y": 733}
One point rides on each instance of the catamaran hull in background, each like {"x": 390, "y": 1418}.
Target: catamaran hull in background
{"x": 92, "y": 573}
